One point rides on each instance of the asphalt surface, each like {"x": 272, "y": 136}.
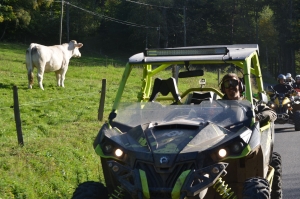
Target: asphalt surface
{"x": 287, "y": 144}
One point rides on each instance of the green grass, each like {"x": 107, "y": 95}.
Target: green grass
{"x": 58, "y": 124}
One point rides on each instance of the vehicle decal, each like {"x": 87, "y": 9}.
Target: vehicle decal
{"x": 179, "y": 183}
{"x": 144, "y": 182}
{"x": 142, "y": 141}
{"x": 173, "y": 133}
{"x": 169, "y": 148}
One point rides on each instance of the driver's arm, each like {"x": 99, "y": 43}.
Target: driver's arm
{"x": 264, "y": 114}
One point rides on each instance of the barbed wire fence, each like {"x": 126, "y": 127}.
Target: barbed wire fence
{"x": 16, "y": 107}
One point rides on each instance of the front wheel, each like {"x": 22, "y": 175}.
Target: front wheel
{"x": 276, "y": 192}
{"x": 256, "y": 188}
{"x": 297, "y": 120}
{"x": 90, "y": 190}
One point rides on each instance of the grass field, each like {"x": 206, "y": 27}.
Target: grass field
{"x": 58, "y": 125}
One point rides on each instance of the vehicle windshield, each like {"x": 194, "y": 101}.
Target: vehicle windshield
{"x": 220, "y": 112}
{"x": 170, "y": 128}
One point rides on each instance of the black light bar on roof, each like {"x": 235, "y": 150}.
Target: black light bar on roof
{"x": 185, "y": 51}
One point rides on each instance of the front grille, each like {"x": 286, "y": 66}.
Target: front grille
{"x": 161, "y": 184}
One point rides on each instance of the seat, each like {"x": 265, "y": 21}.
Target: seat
{"x": 165, "y": 87}
{"x": 197, "y": 98}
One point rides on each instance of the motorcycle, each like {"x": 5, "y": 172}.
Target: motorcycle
{"x": 286, "y": 105}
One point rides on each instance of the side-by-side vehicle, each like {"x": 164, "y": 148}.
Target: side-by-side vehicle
{"x": 178, "y": 139}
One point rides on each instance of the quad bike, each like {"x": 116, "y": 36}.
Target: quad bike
{"x": 165, "y": 147}
{"x": 287, "y": 107}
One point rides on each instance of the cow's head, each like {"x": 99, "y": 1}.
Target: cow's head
{"x": 74, "y": 47}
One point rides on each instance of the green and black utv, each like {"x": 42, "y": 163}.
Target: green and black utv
{"x": 178, "y": 139}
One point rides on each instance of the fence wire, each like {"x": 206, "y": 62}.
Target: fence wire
{"x": 51, "y": 100}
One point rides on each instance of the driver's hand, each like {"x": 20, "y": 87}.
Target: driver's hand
{"x": 262, "y": 119}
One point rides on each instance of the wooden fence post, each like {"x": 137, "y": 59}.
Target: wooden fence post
{"x": 102, "y": 100}
{"x": 219, "y": 74}
{"x": 17, "y": 116}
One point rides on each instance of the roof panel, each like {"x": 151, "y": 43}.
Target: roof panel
{"x": 237, "y": 52}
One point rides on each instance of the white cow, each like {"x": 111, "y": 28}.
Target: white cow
{"x": 50, "y": 59}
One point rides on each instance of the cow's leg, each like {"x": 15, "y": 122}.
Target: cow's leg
{"x": 40, "y": 74}
{"x": 58, "y": 78}
{"x": 30, "y": 79}
{"x": 63, "y": 76}
{"x": 29, "y": 68}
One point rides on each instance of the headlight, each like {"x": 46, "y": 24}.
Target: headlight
{"x": 222, "y": 153}
{"x": 237, "y": 147}
{"x": 232, "y": 149}
{"x": 118, "y": 152}
{"x": 108, "y": 148}
{"x": 112, "y": 150}
{"x": 271, "y": 104}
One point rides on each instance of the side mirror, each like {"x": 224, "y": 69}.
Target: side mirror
{"x": 263, "y": 98}
{"x": 270, "y": 90}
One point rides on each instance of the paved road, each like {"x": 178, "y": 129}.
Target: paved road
{"x": 287, "y": 143}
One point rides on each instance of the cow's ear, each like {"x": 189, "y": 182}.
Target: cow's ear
{"x": 79, "y": 45}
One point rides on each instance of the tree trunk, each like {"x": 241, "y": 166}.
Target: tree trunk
{"x": 4, "y": 31}
{"x": 293, "y": 71}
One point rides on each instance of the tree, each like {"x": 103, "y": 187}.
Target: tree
{"x": 15, "y": 14}
{"x": 268, "y": 36}
{"x": 283, "y": 19}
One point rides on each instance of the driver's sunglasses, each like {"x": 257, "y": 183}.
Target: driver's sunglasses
{"x": 230, "y": 82}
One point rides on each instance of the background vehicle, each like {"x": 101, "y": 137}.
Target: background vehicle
{"x": 286, "y": 106}
{"x": 296, "y": 110}
{"x": 197, "y": 147}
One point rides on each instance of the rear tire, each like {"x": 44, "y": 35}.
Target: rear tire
{"x": 90, "y": 190}
{"x": 256, "y": 188}
{"x": 297, "y": 120}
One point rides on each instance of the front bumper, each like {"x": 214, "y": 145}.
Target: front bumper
{"x": 282, "y": 118}
{"x": 188, "y": 183}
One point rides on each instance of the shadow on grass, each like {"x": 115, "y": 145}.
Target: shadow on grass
{"x": 10, "y": 86}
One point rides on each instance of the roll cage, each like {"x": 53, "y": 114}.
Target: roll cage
{"x": 153, "y": 61}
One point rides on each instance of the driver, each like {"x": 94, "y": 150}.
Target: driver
{"x": 282, "y": 87}
{"x": 289, "y": 79}
{"x": 296, "y": 85}
{"x": 232, "y": 87}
